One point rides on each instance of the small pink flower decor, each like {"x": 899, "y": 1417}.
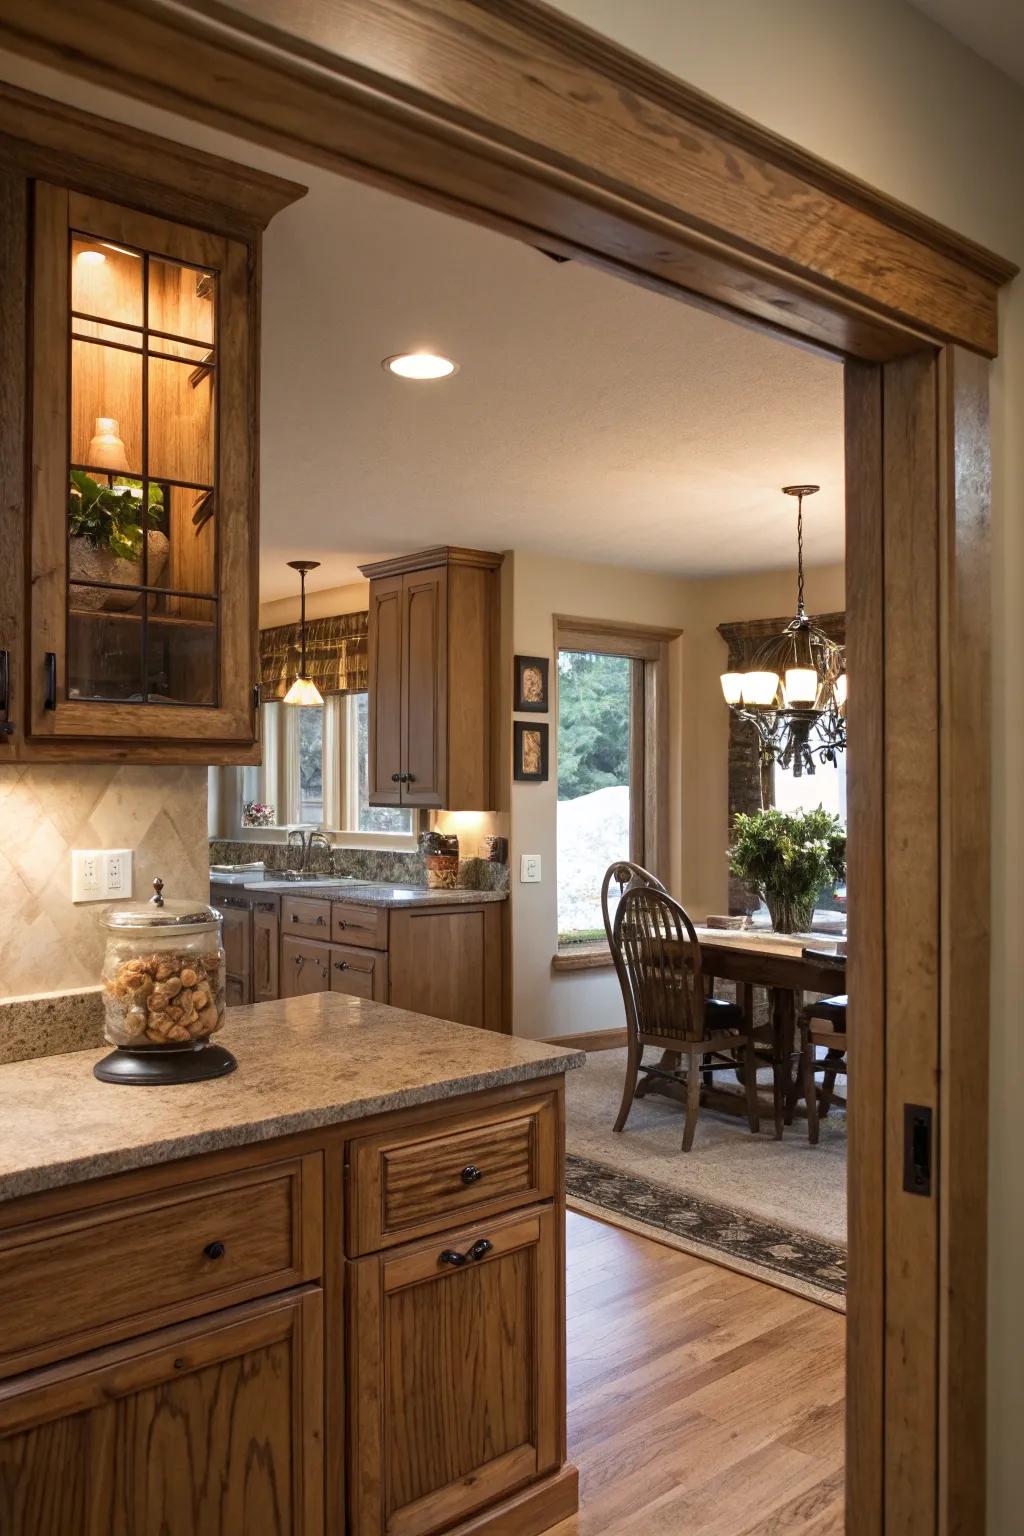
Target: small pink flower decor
{"x": 255, "y": 814}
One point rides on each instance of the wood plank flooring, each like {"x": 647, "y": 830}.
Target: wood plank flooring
{"x": 701, "y": 1403}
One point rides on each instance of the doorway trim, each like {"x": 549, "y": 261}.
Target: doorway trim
{"x": 506, "y": 113}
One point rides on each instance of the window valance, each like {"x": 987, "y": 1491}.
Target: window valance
{"x": 336, "y": 655}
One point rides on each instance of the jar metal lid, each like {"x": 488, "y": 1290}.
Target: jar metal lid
{"x": 157, "y": 913}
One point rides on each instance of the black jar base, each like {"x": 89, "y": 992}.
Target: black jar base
{"x": 160, "y": 1064}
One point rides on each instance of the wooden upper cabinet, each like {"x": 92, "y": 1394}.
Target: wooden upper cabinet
{"x": 129, "y": 482}
{"x": 142, "y": 515}
{"x": 433, "y": 656}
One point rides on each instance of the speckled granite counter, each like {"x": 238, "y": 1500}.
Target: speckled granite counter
{"x": 302, "y": 1063}
{"x": 379, "y": 895}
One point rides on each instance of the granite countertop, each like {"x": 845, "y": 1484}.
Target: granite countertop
{"x": 303, "y": 1063}
{"x": 373, "y": 894}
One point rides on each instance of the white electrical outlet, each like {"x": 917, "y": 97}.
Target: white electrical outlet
{"x": 118, "y": 872}
{"x": 529, "y": 869}
{"x": 86, "y": 881}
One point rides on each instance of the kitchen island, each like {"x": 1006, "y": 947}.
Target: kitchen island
{"x": 324, "y": 1294}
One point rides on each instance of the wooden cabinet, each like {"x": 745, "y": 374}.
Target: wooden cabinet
{"x": 210, "y": 1427}
{"x": 359, "y": 972}
{"x": 266, "y": 945}
{"x": 128, "y": 609}
{"x": 458, "y": 1383}
{"x": 433, "y": 637}
{"x": 446, "y": 962}
{"x": 305, "y": 967}
{"x": 237, "y": 940}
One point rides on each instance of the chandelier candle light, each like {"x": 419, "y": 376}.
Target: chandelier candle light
{"x": 794, "y": 689}
{"x": 303, "y": 690}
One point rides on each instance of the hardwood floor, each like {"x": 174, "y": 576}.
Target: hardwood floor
{"x": 701, "y": 1403}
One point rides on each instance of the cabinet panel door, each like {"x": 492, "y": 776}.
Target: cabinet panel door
{"x": 197, "y": 1430}
{"x": 446, "y": 962}
{"x": 359, "y": 972}
{"x": 425, "y": 688}
{"x": 384, "y": 704}
{"x": 457, "y": 1373}
{"x": 266, "y": 939}
{"x": 142, "y": 622}
{"x": 237, "y": 952}
{"x": 305, "y": 967}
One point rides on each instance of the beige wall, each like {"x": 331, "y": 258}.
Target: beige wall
{"x": 878, "y": 89}
{"x": 46, "y": 942}
{"x": 319, "y": 605}
{"x": 547, "y": 1003}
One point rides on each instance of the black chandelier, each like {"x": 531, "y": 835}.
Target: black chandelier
{"x": 793, "y": 688}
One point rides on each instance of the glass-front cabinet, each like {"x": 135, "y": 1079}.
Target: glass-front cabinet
{"x": 142, "y": 612}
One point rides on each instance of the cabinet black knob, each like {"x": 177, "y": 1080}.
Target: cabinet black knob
{"x": 341, "y": 965}
{"x": 471, "y": 1174}
{"x": 296, "y": 918}
{"x": 214, "y": 1250}
{"x": 396, "y": 778}
{"x": 342, "y": 923}
{"x": 410, "y": 778}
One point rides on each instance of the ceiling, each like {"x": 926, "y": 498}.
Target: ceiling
{"x": 993, "y": 28}
{"x": 590, "y": 418}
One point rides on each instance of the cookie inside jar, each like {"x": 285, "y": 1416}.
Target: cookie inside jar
{"x": 163, "y": 975}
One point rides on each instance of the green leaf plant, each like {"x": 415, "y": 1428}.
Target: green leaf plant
{"x": 111, "y": 516}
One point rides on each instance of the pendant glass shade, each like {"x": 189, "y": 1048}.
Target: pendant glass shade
{"x": 793, "y": 687}
{"x": 303, "y": 691}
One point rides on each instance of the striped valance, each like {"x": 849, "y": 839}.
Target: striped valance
{"x": 336, "y": 655}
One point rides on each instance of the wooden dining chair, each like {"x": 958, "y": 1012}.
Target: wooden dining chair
{"x": 822, "y": 1023}
{"x": 667, "y": 1007}
{"x": 624, "y": 875}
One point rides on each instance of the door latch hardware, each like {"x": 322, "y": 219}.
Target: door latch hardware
{"x": 917, "y": 1149}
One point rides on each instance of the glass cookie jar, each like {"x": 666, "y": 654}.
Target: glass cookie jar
{"x": 163, "y": 993}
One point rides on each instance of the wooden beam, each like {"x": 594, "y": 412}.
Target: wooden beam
{"x": 525, "y": 121}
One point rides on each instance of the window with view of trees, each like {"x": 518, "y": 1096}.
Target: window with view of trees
{"x": 596, "y": 738}
{"x": 315, "y": 769}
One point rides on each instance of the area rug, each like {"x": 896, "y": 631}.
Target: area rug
{"x": 775, "y": 1210}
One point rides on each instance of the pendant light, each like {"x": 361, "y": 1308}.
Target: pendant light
{"x": 303, "y": 690}
{"x": 794, "y": 689}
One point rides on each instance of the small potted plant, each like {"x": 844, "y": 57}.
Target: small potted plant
{"x": 789, "y": 861}
{"x": 105, "y": 523}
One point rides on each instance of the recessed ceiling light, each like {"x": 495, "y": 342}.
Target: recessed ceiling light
{"x": 419, "y": 365}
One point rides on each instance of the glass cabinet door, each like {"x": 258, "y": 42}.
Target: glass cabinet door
{"x": 142, "y": 508}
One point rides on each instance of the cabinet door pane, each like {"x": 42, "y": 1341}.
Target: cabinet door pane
{"x": 104, "y": 650}
{"x": 182, "y": 301}
{"x": 106, "y": 280}
{"x": 106, "y": 407}
{"x": 181, "y": 658}
{"x": 180, "y": 421}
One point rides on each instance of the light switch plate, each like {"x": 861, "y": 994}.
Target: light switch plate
{"x": 529, "y": 869}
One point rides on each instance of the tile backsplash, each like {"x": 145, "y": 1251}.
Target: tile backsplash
{"x": 47, "y": 944}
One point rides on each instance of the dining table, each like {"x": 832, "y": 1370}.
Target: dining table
{"x": 787, "y": 966}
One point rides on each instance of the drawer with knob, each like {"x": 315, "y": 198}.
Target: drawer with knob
{"x": 359, "y": 972}
{"x": 366, "y": 927}
{"x": 403, "y": 1186}
{"x": 305, "y": 967}
{"x": 76, "y": 1280}
{"x": 306, "y": 917}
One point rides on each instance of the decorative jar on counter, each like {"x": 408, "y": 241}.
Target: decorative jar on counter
{"x": 163, "y": 993}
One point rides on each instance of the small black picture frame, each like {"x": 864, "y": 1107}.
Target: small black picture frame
{"x": 531, "y": 685}
{"x": 530, "y": 751}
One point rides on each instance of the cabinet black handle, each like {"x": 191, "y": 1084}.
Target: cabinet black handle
{"x": 471, "y": 1174}
{"x": 480, "y": 1249}
{"x": 214, "y": 1250}
{"x": 300, "y": 961}
{"x": 341, "y": 965}
{"x": 50, "y": 669}
{"x": 6, "y": 726}
{"x": 342, "y": 923}
{"x": 410, "y": 778}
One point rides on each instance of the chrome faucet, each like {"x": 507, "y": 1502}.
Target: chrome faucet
{"x": 297, "y": 833}
{"x": 324, "y": 841}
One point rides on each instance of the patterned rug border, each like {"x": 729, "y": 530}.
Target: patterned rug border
{"x": 793, "y": 1261}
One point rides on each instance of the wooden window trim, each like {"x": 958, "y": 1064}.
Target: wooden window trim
{"x": 649, "y": 752}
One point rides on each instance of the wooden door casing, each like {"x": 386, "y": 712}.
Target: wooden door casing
{"x": 425, "y": 688}
{"x": 204, "y": 1428}
{"x": 470, "y": 1350}
{"x": 384, "y": 705}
